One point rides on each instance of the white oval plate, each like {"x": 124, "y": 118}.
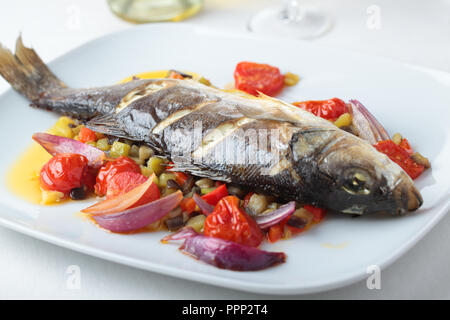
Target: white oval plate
{"x": 412, "y": 100}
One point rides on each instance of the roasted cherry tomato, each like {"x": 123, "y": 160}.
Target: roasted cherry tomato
{"x": 252, "y": 77}
{"x": 400, "y": 156}
{"x": 228, "y": 221}
{"x": 214, "y": 196}
{"x": 107, "y": 172}
{"x": 86, "y": 135}
{"x": 328, "y": 109}
{"x": 126, "y": 181}
{"x": 64, "y": 172}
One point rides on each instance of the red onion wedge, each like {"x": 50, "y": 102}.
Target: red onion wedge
{"x": 225, "y": 254}
{"x": 275, "y": 216}
{"x": 206, "y": 208}
{"x": 56, "y": 144}
{"x": 365, "y": 125}
{"x": 123, "y": 201}
{"x": 139, "y": 217}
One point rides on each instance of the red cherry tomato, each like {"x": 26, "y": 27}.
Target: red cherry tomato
{"x": 86, "y": 135}
{"x": 64, "y": 172}
{"x": 400, "y": 156}
{"x": 328, "y": 109}
{"x": 108, "y": 171}
{"x": 228, "y": 221}
{"x": 252, "y": 77}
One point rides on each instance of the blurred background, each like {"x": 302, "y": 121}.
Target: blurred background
{"x": 412, "y": 31}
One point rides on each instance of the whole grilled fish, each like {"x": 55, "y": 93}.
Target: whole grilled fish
{"x": 260, "y": 143}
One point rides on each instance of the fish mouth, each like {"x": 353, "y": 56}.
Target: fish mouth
{"x": 408, "y": 198}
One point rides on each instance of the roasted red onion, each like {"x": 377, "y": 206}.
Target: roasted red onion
{"x": 267, "y": 220}
{"x": 365, "y": 125}
{"x": 206, "y": 208}
{"x": 139, "y": 217}
{"x": 56, "y": 144}
{"x": 225, "y": 254}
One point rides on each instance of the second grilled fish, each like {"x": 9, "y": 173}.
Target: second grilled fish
{"x": 260, "y": 143}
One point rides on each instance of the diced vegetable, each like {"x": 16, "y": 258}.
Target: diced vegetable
{"x": 145, "y": 152}
{"x": 103, "y": 144}
{"x": 87, "y": 135}
{"x": 318, "y": 213}
{"x": 188, "y": 205}
{"x": 344, "y": 120}
{"x": 257, "y": 204}
{"x": 62, "y": 128}
{"x": 119, "y": 149}
{"x": 215, "y": 195}
{"x": 164, "y": 177}
{"x": 197, "y": 223}
{"x": 51, "y": 197}
{"x": 204, "y": 183}
{"x": 155, "y": 164}
{"x": 291, "y": 79}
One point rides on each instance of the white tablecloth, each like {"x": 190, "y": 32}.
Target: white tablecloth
{"x": 411, "y": 31}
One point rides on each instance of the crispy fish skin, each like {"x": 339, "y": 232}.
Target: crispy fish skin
{"x": 260, "y": 143}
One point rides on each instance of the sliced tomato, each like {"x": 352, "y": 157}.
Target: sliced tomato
{"x": 123, "y": 182}
{"x": 108, "y": 171}
{"x": 318, "y": 213}
{"x": 143, "y": 193}
{"x": 400, "y": 156}
{"x": 214, "y": 196}
{"x": 254, "y": 77}
{"x": 86, "y": 135}
{"x": 328, "y": 109}
{"x": 230, "y": 222}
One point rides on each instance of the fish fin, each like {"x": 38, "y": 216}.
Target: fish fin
{"x": 107, "y": 124}
{"x": 180, "y": 164}
{"x": 26, "y": 72}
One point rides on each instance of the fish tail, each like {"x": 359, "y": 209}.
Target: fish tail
{"x": 26, "y": 72}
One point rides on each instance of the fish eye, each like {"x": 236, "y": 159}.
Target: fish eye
{"x": 356, "y": 184}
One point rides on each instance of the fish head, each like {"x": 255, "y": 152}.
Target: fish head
{"x": 352, "y": 177}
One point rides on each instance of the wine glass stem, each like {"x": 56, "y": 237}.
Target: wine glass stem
{"x": 293, "y": 11}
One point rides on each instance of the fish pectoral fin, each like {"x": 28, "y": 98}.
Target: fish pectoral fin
{"x": 186, "y": 166}
{"x": 106, "y": 124}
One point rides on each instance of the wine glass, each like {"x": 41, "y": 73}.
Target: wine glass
{"x": 295, "y": 18}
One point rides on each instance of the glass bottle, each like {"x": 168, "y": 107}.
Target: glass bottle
{"x": 142, "y": 11}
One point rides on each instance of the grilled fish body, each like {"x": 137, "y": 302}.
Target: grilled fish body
{"x": 260, "y": 143}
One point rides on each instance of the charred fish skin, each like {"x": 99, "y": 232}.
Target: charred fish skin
{"x": 302, "y": 157}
